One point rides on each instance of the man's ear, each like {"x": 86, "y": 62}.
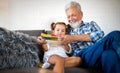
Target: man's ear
{"x": 81, "y": 13}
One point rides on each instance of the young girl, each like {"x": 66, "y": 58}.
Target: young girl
{"x": 55, "y": 52}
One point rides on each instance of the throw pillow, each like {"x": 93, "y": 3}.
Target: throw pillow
{"x": 17, "y": 50}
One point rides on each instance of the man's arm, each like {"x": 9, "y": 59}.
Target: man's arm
{"x": 83, "y": 37}
{"x": 91, "y": 33}
{"x": 72, "y": 38}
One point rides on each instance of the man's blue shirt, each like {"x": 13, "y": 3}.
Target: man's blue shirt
{"x": 90, "y": 28}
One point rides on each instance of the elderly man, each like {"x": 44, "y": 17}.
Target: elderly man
{"x": 88, "y": 44}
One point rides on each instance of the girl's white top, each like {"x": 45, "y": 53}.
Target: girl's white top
{"x": 54, "y": 48}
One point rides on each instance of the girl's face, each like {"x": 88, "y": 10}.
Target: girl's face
{"x": 59, "y": 30}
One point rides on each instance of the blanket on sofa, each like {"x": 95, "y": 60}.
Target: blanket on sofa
{"x": 17, "y": 50}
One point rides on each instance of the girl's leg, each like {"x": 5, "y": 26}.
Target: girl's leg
{"x": 58, "y": 63}
{"x": 45, "y": 71}
{"x": 73, "y": 61}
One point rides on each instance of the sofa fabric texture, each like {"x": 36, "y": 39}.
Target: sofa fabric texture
{"x": 18, "y": 50}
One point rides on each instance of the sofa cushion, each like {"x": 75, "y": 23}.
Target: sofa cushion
{"x": 36, "y": 69}
{"x": 67, "y": 70}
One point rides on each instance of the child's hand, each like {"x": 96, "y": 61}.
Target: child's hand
{"x": 41, "y": 40}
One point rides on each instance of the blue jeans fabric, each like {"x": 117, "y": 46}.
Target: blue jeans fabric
{"x": 105, "y": 53}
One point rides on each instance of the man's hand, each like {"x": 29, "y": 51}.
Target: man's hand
{"x": 67, "y": 39}
{"x": 41, "y": 40}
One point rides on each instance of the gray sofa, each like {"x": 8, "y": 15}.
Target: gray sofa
{"x": 36, "y": 69}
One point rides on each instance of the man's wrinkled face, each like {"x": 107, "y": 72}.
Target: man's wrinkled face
{"x": 74, "y": 17}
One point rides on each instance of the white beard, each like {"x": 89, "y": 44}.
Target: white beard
{"x": 75, "y": 25}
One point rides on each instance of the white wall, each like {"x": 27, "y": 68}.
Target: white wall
{"x": 4, "y": 16}
{"x": 38, "y": 14}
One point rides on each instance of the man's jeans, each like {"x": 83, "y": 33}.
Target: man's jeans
{"x": 105, "y": 53}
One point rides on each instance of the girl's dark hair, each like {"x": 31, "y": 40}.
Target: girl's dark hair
{"x": 53, "y": 25}
{"x": 68, "y": 28}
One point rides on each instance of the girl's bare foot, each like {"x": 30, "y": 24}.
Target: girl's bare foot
{"x": 45, "y": 71}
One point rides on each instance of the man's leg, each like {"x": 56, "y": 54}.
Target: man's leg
{"x": 110, "y": 63}
{"x": 111, "y": 41}
{"x": 92, "y": 54}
